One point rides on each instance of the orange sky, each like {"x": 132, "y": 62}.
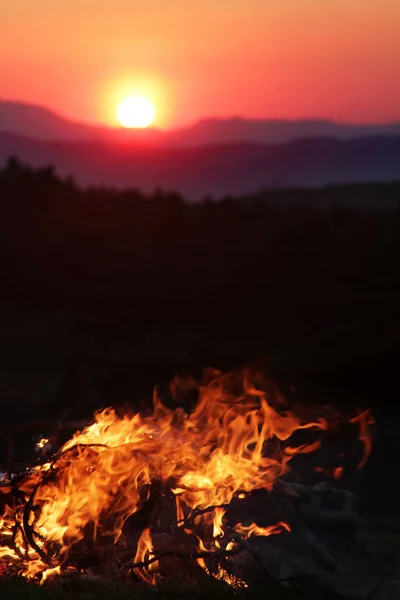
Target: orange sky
{"x": 201, "y": 58}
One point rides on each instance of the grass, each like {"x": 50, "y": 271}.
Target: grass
{"x": 19, "y": 589}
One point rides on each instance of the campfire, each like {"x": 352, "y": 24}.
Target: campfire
{"x": 146, "y": 496}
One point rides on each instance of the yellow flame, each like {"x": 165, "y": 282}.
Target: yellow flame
{"x": 145, "y": 551}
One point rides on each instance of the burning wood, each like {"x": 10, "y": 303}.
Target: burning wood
{"x": 138, "y": 496}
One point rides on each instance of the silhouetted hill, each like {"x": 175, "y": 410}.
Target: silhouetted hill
{"x": 41, "y": 123}
{"x": 262, "y": 131}
{"x": 214, "y": 170}
{"x": 44, "y": 124}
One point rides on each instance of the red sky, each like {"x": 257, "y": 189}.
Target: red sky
{"x": 200, "y": 58}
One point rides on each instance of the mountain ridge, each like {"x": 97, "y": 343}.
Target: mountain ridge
{"x": 42, "y": 123}
{"x": 214, "y": 170}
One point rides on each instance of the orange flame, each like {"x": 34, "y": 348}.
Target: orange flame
{"x": 232, "y": 443}
{"x": 364, "y": 419}
{"x": 338, "y": 472}
{"x": 254, "y": 529}
{"x": 335, "y": 473}
{"x": 217, "y": 524}
{"x": 145, "y": 551}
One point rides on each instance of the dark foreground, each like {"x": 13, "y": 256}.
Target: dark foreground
{"x": 105, "y": 294}
{"x": 16, "y": 589}
{"x": 13, "y": 590}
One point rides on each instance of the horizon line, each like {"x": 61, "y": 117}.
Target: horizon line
{"x": 204, "y": 119}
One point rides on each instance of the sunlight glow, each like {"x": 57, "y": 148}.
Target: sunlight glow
{"x": 136, "y": 111}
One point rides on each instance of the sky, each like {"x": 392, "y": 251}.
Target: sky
{"x": 198, "y": 59}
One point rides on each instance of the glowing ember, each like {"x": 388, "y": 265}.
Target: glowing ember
{"x": 120, "y": 468}
{"x": 42, "y": 443}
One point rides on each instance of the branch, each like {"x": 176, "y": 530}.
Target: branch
{"x": 221, "y": 553}
{"x": 375, "y": 590}
{"x": 197, "y": 512}
{"x": 202, "y": 511}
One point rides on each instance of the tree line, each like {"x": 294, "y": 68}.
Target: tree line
{"x": 62, "y": 244}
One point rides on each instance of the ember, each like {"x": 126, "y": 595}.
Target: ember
{"x": 134, "y": 496}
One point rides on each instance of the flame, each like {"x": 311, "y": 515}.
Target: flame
{"x": 232, "y": 443}
{"x": 145, "y": 551}
{"x": 48, "y": 573}
{"x": 42, "y": 443}
{"x": 364, "y": 419}
{"x": 217, "y": 522}
{"x": 229, "y": 578}
{"x": 254, "y": 529}
{"x": 337, "y": 473}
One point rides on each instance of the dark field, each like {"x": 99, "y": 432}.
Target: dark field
{"x": 105, "y": 294}
{"x": 13, "y": 590}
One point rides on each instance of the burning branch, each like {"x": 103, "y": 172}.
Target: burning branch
{"x": 221, "y": 553}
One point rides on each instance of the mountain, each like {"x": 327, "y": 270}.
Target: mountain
{"x": 215, "y": 170}
{"x": 213, "y": 157}
{"x": 43, "y": 124}
{"x": 237, "y": 130}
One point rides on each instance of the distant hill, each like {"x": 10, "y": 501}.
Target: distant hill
{"x": 215, "y": 170}
{"x": 237, "y": 130}
{"x": 43, "y": 124}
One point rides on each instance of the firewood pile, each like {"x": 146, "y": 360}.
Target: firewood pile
{"x": 173, "y": 551}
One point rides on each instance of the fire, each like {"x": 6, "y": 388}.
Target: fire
{"x": 145, "y": 551}
{"x": 42, "y": 443}
{"x": 364, "y": 419}
{"x": 218, "y": 522}
{"x": 50, "y": 572}
{"x": 338, "y": 472}
{"x": 116, "y": 468}
{"x": 254, "y": 529}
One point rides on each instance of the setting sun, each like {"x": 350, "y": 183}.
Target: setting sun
{"x": 136, "y": 111}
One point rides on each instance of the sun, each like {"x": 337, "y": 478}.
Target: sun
{"x": 136, "y": 111}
